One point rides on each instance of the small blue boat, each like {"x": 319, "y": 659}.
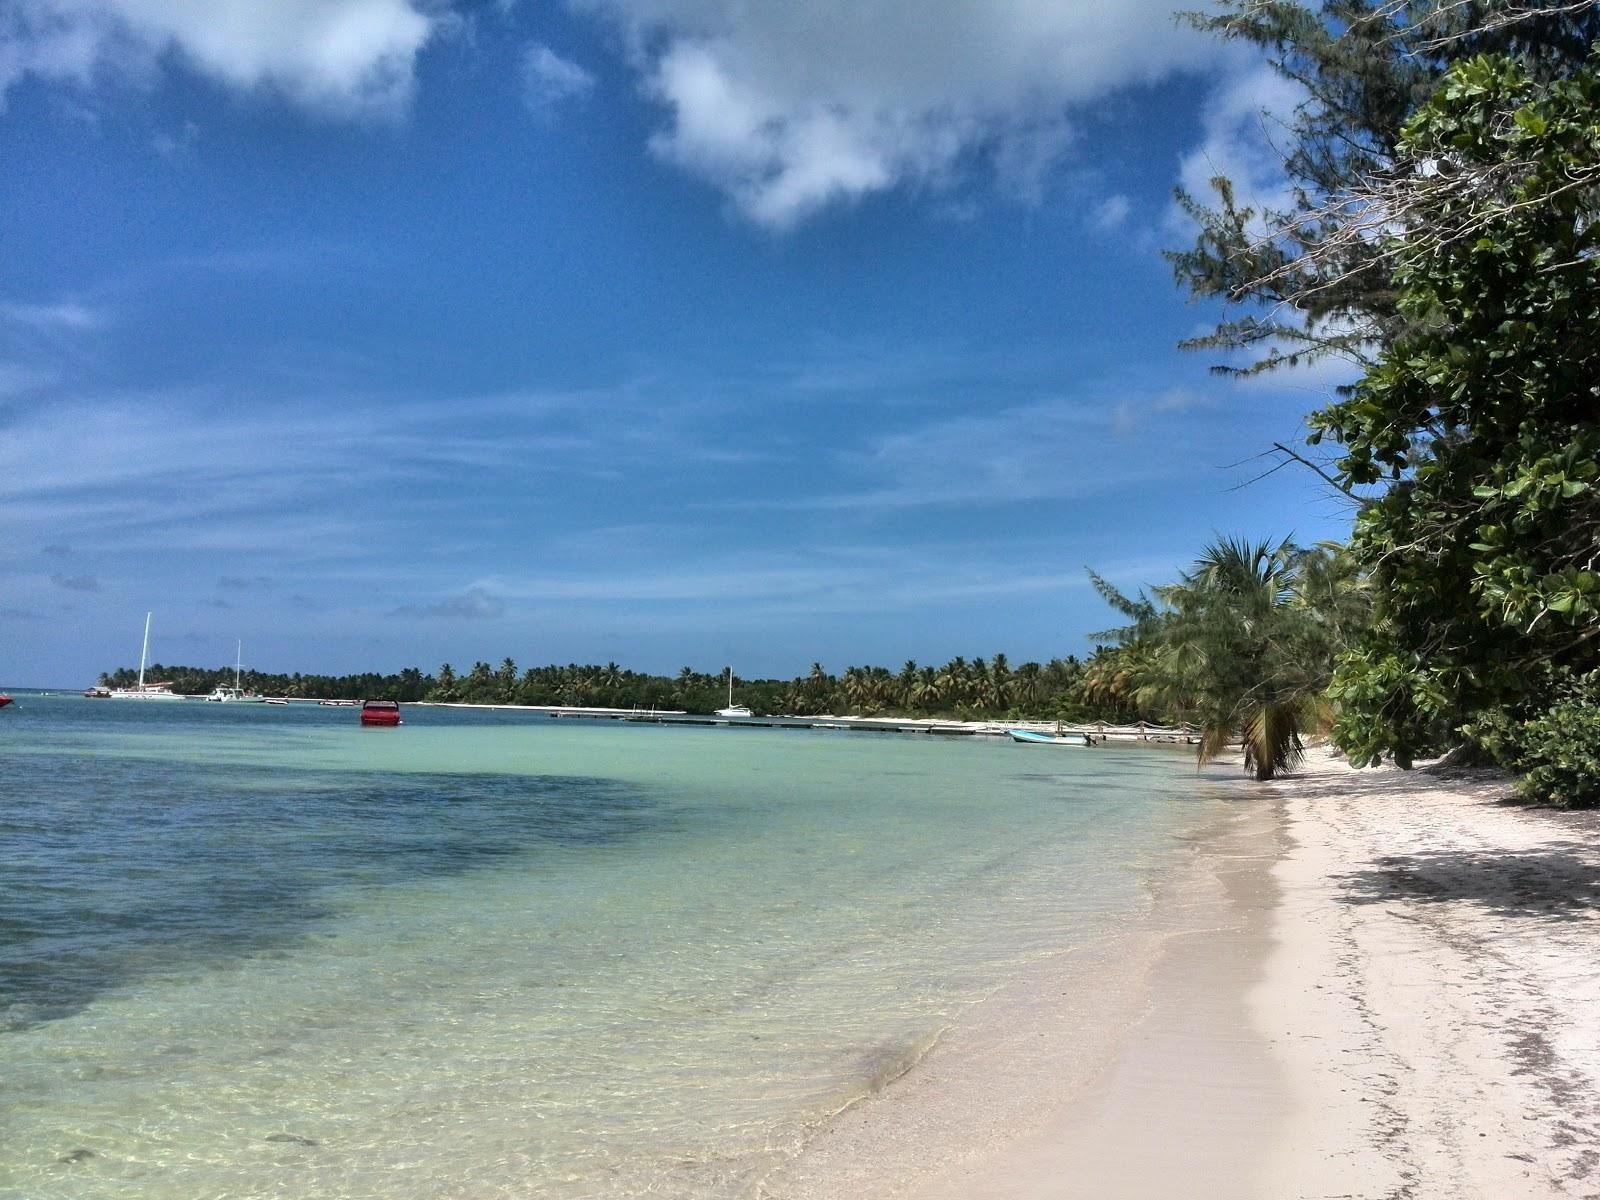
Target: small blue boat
{"x": 1050, "y": 739}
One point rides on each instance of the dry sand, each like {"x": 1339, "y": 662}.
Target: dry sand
{"x": 1365, "y": 985}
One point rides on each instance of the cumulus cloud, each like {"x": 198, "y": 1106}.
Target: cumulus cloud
{"x": 791, "y": 107}
{"x": 346, "y": 57}
{"x": 548, "y": 79}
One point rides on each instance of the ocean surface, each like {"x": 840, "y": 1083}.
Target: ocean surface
{"x": 253, "y": 951}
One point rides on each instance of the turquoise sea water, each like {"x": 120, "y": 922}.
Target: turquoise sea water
{"x": 252, "y": 951}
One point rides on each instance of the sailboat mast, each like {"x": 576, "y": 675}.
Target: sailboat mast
{"x": 730, "y": 687}
{"x": 144, "y": 650}
{"x": 238, "y": 660}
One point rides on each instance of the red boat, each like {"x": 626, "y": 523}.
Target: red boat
{"x": 380, "y": 712}
{"x": 4, "y": 700}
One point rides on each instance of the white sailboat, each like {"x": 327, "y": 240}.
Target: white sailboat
{"x": 145, "y": 691}
{"x": 236, "y": 694}
{"x": 733, "y": 710}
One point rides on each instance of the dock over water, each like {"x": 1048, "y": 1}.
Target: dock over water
{"x": 1100, "y": 731}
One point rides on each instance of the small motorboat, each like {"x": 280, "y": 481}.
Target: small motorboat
{"x": 275, "y": 700}
{"x": 97, "y": 693}
{"x": 1051, "y": 739}
{"x": 380, "y": 712}
{"x": 4, "y": 700}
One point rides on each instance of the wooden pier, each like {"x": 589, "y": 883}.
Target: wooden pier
{"x": 1099, "y": 731}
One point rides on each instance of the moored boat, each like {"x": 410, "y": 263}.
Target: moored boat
{"x": 143, "y": 690}
{"x": 1051, "y": 739}
{"x": 236, "y": 694}
{"x": 733, "y": 710}
{"x": 4, "y": 700}
{"x": 380, "y": 712}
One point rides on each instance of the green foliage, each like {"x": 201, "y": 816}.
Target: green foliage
{"x": 1365, "y": 66}
{"x": 408, "y": 686}
{"x": 1243, "y": 644}
{"x": 1480, "y": 422}
{"x": 1557, "y": 750}
{"x": 978, "y": 688}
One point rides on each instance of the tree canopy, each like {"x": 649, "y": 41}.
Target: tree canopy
{"x": 1313, "y": 280}
{"x": 1480, "y": 421}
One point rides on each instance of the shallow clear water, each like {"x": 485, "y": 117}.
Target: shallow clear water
{"x": 259, "y": 951}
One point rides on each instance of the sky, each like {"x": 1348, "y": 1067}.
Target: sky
{"x": 380, "y": 333}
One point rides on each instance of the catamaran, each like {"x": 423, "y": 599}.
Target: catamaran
{"x": 236, "y": 694}
{"x": 733, "y": 710}
{"x": 145, "y": 691}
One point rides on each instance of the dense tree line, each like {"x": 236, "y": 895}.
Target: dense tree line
{"x": 974, "y": 688}
{"x": 409, "y": 685}
{"x": 1062, "y": 689}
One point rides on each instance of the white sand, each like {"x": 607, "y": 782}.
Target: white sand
{"x": 1371, "y": 984}
{"x": 1435, "y": 991}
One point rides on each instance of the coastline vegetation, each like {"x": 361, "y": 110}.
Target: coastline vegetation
{"x": 1064, "y": 689}
{"x": 1444, "y": 235}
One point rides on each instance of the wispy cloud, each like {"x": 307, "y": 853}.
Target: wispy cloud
{"x": 18, "y": 378}
{"x": 474, "y": 604}
{"x": 1112, "y": 213}
{"x": 64, "y": 316}
{"x": 1050, "y": 449}
{"x": 76, "y": 583}
{"x": 548, "y": 80}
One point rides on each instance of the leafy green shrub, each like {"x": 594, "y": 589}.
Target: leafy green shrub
{"x": 1556, "y": 751}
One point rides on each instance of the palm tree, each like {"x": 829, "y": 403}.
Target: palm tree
{"x": 1030, "y": 681}
{"x": 1244, "y": 643}
{"x": 1241, "y": 647}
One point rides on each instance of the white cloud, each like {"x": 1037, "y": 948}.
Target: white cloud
{"x": 1244, "y": 123}
{"x": 548, "y": 79}
{"x": 789, "y": 107}
{"x": 343, "y": 57}
{"x": 1045, "y": 450}
{"x": 1112, "y": 212}
{"x": 16, "y": 378}
{"x": 65, "y": 316}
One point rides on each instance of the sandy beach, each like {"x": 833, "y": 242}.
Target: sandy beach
{"x": 1364, "y": 985}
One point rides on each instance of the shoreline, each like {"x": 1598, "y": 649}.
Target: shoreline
{"x": 1374, "y": 984}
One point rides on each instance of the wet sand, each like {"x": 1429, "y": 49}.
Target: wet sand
{"x": 1375, "y": 984}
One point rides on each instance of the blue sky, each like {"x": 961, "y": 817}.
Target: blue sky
{"x": 380, "y": 332}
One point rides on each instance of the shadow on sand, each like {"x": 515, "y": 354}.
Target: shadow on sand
{"x": 1557, "y": 882}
